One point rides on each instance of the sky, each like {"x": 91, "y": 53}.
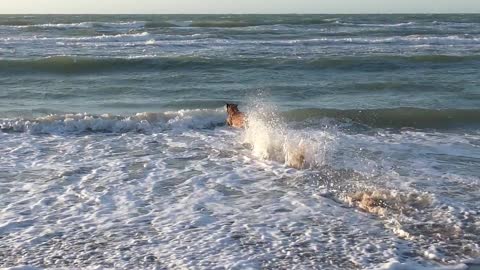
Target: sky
{"x": 237, "y": 6}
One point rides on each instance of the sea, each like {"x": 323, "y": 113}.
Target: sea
{"x": 361, "y": 148}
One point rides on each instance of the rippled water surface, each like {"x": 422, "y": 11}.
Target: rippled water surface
{"x": 361, "y": 149}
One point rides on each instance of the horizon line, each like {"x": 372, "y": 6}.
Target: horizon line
{"x": 234, "y": 13}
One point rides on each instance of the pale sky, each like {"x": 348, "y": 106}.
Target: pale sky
{"x": 239, "y": 6}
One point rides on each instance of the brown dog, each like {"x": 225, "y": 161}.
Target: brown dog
{"x": 235, "y": 117}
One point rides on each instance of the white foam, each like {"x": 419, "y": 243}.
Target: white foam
{"x": 376, "y": 24}
{"x": 412, "y": 39}
{"x": 118, "y": 37}
{"x": 57, "y": 25}
{"x": 141, "y": 122}
{"x": 209, "y": 39}
{"x": 121, "y": 37}
{"x": 127, "y": 24}
{"x": 150, "y": 42}
{"x": 271, "y": 139}
{"x": 190, "y": 194}
{"x": 396, "y": 265}
{"x": 21, "y": 267}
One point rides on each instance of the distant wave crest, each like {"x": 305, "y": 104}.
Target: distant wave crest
{"x": 67, "y": 25}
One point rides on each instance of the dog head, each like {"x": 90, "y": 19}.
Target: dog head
{"x": 232, "y": 108}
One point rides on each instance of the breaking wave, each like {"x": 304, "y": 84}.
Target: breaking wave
{"x": 267, "y": 132}
{"x": 106, "y": 123}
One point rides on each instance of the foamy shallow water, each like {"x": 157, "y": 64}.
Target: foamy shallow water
{"x": 373, "y": 162}
{"x": 186, "y": 191}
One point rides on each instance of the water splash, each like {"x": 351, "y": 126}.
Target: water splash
{"x": 271, "y": 138}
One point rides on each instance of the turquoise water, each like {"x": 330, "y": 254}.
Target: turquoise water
{"x": 115, "y": 149}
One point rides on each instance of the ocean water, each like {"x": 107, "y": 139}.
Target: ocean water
{"x": 362, "y": 149}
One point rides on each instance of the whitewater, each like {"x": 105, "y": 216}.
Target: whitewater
{"x": 361, "y": 149}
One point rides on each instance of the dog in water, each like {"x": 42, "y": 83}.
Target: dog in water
{"x": 235, "y": 117}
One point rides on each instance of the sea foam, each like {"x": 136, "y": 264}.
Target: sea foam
{"x": 140, "y": 122}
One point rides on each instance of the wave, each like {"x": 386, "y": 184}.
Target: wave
{"x": 293, "y": 21}
{"x": 288, "y": 20}
{"x": 121, "y": 24}
{"x": 235, "y": 24}
{"x": 199, "y": 23}
{"x": 214, "y": 40}
{"x": 118, "y": 37}
{"x": 238, "y": 23}
{"x": 60, "y": 25}
{"x": 397, "y": 40}
{"x": 73, "y": 64}
{"x": 106, "y": 123}
{"x": 235, "y": 21}
{"x": 394, "y": 117}
{"x": 70, "y": 64}
{"x": 127, "y": 24}
{"x": 376, "y": 24}
{"x": 273, "y": 140}
{"x": 456, "y": 24}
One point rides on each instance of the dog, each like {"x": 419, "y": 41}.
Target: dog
{"x": 235, "y": 117}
